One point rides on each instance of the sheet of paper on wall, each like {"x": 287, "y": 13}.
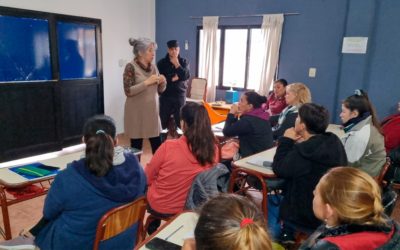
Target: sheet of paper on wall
{"x": 355, "y": 45}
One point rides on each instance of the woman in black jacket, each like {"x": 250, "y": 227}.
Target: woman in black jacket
{"x": 253, "y": 127}
{"x": 296, "y": 95}
{"x": 304, "y": 154}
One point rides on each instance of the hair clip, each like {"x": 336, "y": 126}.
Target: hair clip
{"x": 100, "y": 132}
{"x": 245, "y": 222}
{"x": 358, "y": 92}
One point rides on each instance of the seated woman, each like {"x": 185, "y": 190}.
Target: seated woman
{"x": 363, "y": 141}
{"x": 171, "y": 171}
{"x": 276, "y": 102}
{"x": 81, "y": 194}
{"x": 348, "y": 202}
{"x": 304, "y": 154}
{"x": 296, "y": 95}
{"x": 391, "y": 129}
{"x": 253, "y": 127}
{"x": 242, "y": 226}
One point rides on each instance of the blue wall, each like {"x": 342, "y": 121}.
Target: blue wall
{"x": 311, "y": 39}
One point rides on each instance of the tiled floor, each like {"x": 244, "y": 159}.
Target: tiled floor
{"x": 25, "y": 214}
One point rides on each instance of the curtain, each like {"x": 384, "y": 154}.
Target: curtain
{"x": 271, "y": 30}
{"x": 208, "y": 66}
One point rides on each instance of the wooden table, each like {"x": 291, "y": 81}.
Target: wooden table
{"x": 221, "y": 108}
{"x": 174, "y": 230}
{"x": 336, "y": 129}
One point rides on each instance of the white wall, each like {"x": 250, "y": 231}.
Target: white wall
{"x": 120, "y": 19}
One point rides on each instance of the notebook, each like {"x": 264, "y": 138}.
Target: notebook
{"x": 35, "y": 170}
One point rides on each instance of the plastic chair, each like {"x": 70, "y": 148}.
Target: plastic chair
{"x": 198, "y": 90}
{"x": 118, "y": 219}
{"x": 214, "y": 116}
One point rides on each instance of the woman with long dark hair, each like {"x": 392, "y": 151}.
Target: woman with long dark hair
{"x": 363, "y": 141}
{"x": 106, "y": 177}
{"x": 176, "y": 163}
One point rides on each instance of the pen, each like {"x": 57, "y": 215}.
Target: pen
{"x": 169, "y": 236}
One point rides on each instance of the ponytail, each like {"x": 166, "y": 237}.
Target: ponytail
{"x": 242, "y": 226}
{"x": 374, "y": 116}
{"x": 354, "y": 195}
{"x": 255, "y": 99}
{"x": 360, "y": 102}
{"x": 99, "y": 154}
{"x": 200, "y": 138}
{"x": 253, "y": 236}
{"x": 99, "y": 133}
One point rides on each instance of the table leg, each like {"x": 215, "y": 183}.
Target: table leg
{"x": 264, "y": 189}
{"x": 6, "y": 219}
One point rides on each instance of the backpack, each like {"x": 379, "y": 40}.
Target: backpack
{"x": 391, "y": 129}
{"x": 393, "y": 173}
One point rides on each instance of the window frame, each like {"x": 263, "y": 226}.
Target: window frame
{"x": 223, "y": 28}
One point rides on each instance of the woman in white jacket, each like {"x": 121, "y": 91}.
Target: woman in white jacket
{"x": 363, "y": 141}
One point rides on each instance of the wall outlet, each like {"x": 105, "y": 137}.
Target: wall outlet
{"x": 312, "y": 72}
{"x": 122, "y": 62}
{"x": 186, "y": 45}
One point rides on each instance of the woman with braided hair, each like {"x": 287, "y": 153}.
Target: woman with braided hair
{"x": 348, "y": 201}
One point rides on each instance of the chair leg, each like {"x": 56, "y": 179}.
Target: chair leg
{"x": 150, "y": 219}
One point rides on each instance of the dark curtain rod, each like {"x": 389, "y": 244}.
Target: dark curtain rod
{"x": 257, "y": 15}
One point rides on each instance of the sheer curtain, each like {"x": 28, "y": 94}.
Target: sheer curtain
{"x": 208, "y": 66}
{"x": 271, "y": 29}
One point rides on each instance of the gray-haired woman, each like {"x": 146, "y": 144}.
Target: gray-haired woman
{"x": 142, "y": 85}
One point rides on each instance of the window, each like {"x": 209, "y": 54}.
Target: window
{"x": 239, "y": 57}
{"x": 24, "y": 49}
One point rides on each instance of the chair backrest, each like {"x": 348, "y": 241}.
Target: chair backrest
{"x": 213, "y": 115}
{"x": 119, "y": 219}
{"x": 385, "y": 168}
{"x": 389, "y": 198}
{"x": 198, "y": 89}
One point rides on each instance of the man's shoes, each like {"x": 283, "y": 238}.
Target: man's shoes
{"x": 20, "y": 243}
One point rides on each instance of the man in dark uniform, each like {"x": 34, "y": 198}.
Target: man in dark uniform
{"x": 176, "y": 70}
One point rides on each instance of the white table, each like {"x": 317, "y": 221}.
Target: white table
{"x": 174, "y": 230}
{"x": 267, "y": 155}
{"x": 336, "y": 129}
{"x": 10, "y": 179}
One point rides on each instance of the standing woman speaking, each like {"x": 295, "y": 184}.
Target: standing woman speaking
{"x": 142, "y": 85}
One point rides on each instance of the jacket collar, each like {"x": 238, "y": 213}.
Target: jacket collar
{"x": 357, "y": 122}
{"x": 353, "y": 228}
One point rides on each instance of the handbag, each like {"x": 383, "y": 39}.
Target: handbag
{"x": 229, "y": 149}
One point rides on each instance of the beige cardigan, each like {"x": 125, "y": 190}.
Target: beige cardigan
{"x": 141, "y": 116}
